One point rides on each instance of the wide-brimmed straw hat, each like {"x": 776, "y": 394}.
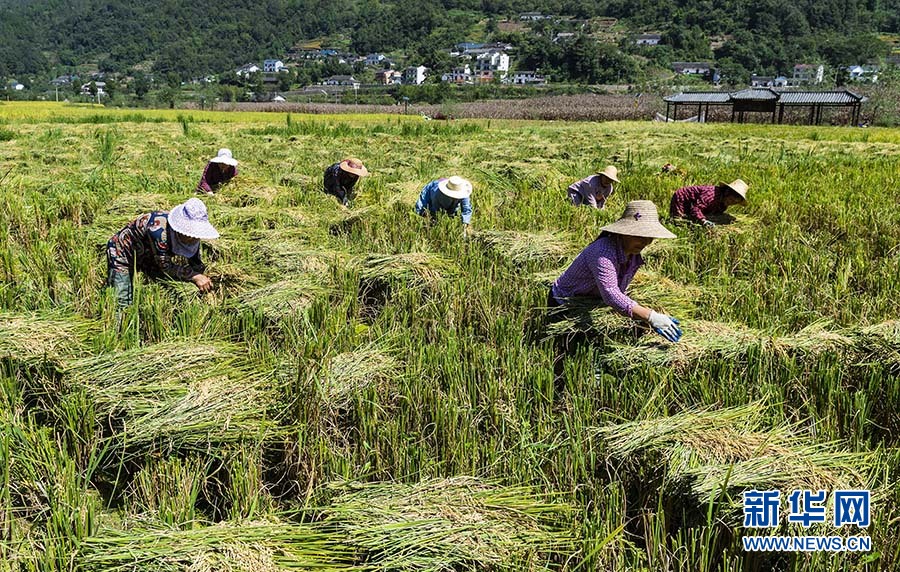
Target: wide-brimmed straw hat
{"x": 224, "y": 156}
{"x": 739, "y": 187}
{"x": 191, "y": 219}
{"x": 639, "y": 219}
{"x": 455, "y": 187}
{"x": 355, "y": 166}
{"x": 610, "y": 173}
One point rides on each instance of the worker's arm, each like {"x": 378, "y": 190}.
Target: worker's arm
{"x": 465, "y": 208}
{"x": 424, "y": 202}
{"x": 203, "y": 186}
{"x": 607, "y": 280}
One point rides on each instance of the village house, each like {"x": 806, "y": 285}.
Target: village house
{"x": 863, "y": 74}
{"x": 100, "y": 85}
{"x": 533, "y": 16}
{"x": 648, "y": 39}
{"x": 495, "y": 61}
{"x": 247, "y": 69}
{"x": 375, "y": 59}
{"x": 273, "y": 66}
{"x": 527, "y": 78}
{"x": 563, "y": 37}
{"x": 342, "y": 80}
{"x": 63, "y": 80}
{"x": 808, "y": 74}
{"x": 458, "y": 75}
{"x": 388, "y": 77}
{"x": 768, "y": 81}
{"x": 414, "y": 75}
{"x": 691, "y": 68}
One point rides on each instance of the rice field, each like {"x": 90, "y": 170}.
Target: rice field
{"x": 364, "y": 391}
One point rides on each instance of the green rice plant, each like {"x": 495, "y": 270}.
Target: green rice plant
{"x": 523, "y": 247}
{"x": 107, "y": 146}
{"x": 183, "y": 395}
{"x": 245, "y": 546}
{"x": 167, "y": 490}
{"x": 450, "y": 524}
{"x": 7, "y": 135}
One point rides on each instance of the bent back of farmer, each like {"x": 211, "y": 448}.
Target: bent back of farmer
{"x": 220, "y": 169}
{"x": 593, "y": 191}
{"x": 150, "y": 244}
{"x": 700, "y": 202}
{"x": 449, "y": 196}
{"x": 340, "y": 178}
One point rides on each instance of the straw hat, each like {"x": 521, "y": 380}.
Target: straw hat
{"x": 610, "y": 172}
{"x": 739, "y": 187}
{"x": 354, "y": 166}
{"x": 455, "y": 187}
{"x": 224, "y": 156}
{"x": 639, "y": 219}
{"x": 190, "y": 219}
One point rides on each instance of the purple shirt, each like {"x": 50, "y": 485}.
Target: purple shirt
{"x": 589, "y": 191}
{"x": 602, "y": 270}
{"x": 213, "y": 176}
{"x": 697, "y": 202}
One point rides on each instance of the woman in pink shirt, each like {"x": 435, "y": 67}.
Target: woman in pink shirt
{"x": 594, "y": 190}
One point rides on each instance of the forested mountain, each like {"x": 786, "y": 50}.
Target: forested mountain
{"x": 193, "y": 38}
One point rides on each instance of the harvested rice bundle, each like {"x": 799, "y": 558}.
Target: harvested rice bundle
{"x": 178, "y": 395}
{"x": 350, "y": 373}
{"x": 879, "y": 343}
{"x": 663, "y": 294}
{"x": 587, "y": 316}
{"x": 523, "y": 247}
{"x": 134, "y": 204}
{"x": 703, "y": 341}
{"x": 351, "y": 219}
{"x": 290, "y": 256}
{"x": 255, "y": 546}
{"x": 705, "y": 449}
{"x": 414, "y": 268}
{"x": 449, "y": 524}
{"x": 281, "y": 299}
{"x": 33, "y": 337}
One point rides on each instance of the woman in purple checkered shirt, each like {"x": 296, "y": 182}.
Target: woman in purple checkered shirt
{"x": 605, "y": 268}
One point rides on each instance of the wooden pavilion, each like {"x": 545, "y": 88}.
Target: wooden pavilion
{"x": 765, "y": 100}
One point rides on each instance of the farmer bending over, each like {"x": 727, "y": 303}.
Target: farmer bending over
{"x": 340, "y": 178}
{"x": 448, "y": 196}
{"x": 595, "y": 189}
{"x": 605, "y": 268}
{"x": 149, "y": 242}
{"x": 701, "y": 202}
{"x": 220, "y": 169}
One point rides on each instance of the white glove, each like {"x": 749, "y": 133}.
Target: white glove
{"x": 665, "y": 326}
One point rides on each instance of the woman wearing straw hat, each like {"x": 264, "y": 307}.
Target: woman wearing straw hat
{"x": 149, "y": 242}
{"x": 700, "y": 202}
{"x": 594, "y": 190}
{"x": 605, "y": 268}
{"x": 220, "y": 169}
{"x": 449, "y": 196}
{"x": 340, "y": 178}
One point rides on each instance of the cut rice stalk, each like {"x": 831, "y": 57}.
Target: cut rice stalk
{"x": 522, "y": 247}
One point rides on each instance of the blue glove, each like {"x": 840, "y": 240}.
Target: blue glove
{"x": 665, "y": 326}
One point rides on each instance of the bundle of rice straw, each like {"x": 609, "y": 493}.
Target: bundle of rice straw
{"x": 703, "y": 341}
{"x": 522, "y": 247}
{"x": 449, "y": 524}
{"x": 51, "y": 337}
{"x": 413, "y": 268}
{"x": 280, "y": 299}
{"x": 293, "y": 256}
{"x": 134, "y": 204}
{"x": 588, "y": 316}
{"x": 879, "y": 343}
{"x": 177, "y": 395}
{"x": 350, "y": 373}
{"x": 250, "y": 546}
{"x": 708, "y": 449}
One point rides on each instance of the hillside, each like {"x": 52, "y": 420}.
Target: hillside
{"x": 185, "y": 37}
